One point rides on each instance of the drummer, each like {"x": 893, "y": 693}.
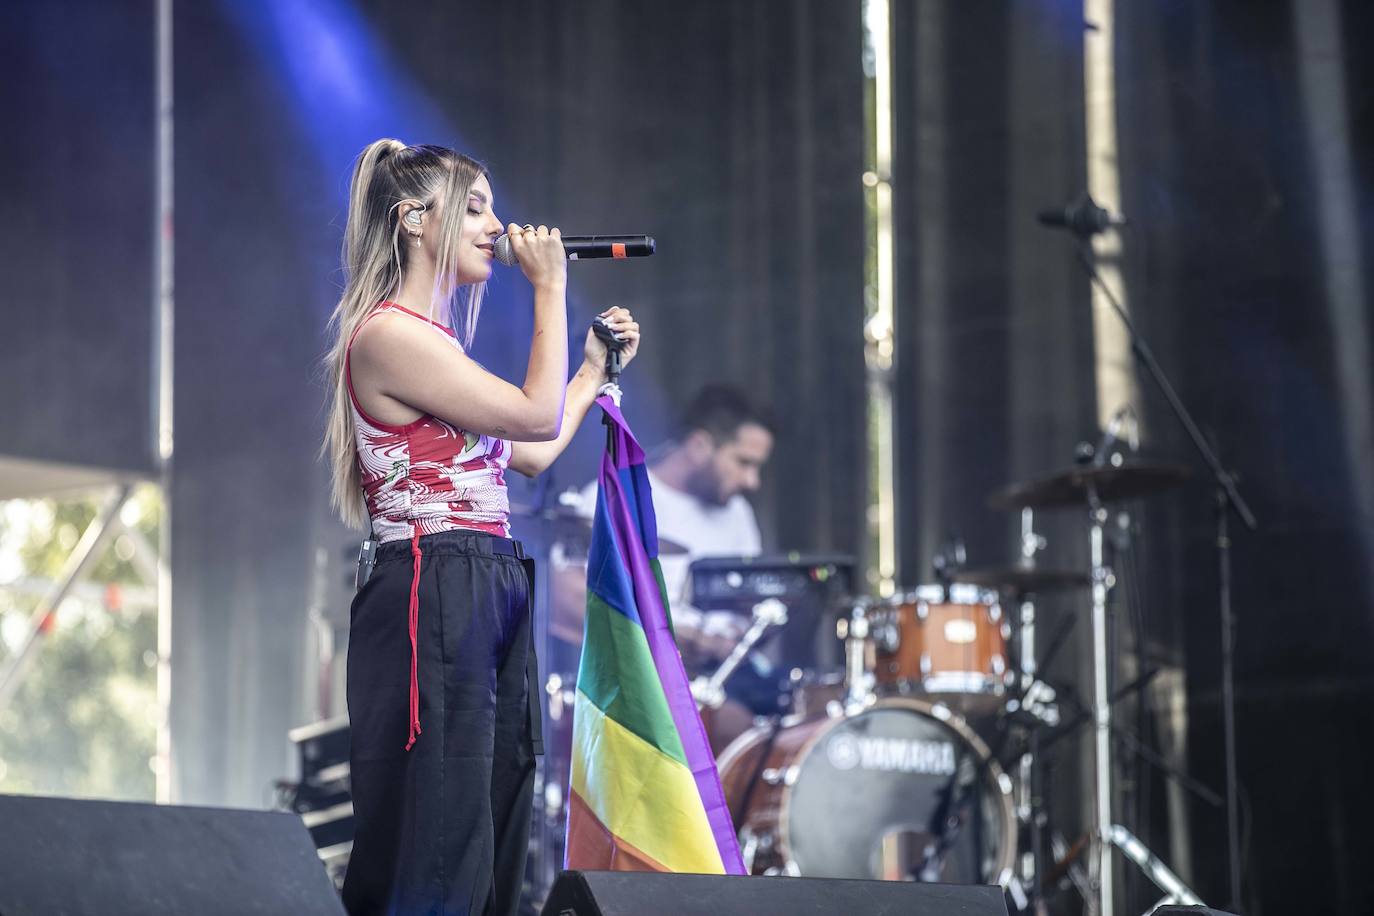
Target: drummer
{"x": 701, "y": 480}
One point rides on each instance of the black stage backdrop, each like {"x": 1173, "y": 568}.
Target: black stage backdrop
{"x": 730, "y": 131}
{"x": 1246, "y": 149}
{"x": 75, "y": 348}
{"x": 1245, "y": 133}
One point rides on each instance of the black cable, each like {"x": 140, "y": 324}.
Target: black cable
{"x": 1246, "y": 825}
{"x": 1146, "y": 708}
{"x": 1127, "y": 550}
{"x": 774, "y": 729}
{"x": 1056, "y": 642}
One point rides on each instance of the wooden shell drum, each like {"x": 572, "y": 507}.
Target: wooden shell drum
{"x": 948, "y": 644}
{"x": 902, "y": 790}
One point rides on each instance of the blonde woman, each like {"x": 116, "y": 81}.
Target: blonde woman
{"x": 444, "y": 725}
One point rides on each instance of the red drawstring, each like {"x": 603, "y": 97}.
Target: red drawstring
{"x": 414, "y": 646}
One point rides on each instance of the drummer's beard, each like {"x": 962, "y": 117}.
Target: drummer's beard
{"x": 705, "y": 484}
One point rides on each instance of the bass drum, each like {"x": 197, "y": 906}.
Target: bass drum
{"x": 902, "y": 790}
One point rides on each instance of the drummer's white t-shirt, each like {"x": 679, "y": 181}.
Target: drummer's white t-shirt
{"x": 706, "y": 530}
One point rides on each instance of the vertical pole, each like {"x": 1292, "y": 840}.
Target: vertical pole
{"x": 163, "y": 342}
{"x": 1228, "y": 694}
{"x": 1102, "y": 727}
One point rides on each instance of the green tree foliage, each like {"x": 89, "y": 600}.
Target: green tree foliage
{"x": 84, "y": 720}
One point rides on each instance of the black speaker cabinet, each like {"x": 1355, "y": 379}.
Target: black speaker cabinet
{"x": 62, "y": 857}
{"x": 612, "y": 893}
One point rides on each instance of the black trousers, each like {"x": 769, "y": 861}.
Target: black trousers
{"x": 442, "y": 828}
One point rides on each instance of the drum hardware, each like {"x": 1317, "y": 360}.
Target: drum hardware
{"x": 1103, "y": 580}
{"x": 1067, "y": 864}
{"x": 710, "y": 691}
{"x": 748, "y": 847}
{"x": 946, "y": 822}
{"x": 1036, "y": 704}
{"x": 1176, "y": 891}
{"x": 775, "y": 777}
{"x": 948, "y": 562}
{"x": 1094, "y": 485}
{"x": 1031, "y": 544}
{"x": 858, "y": 670}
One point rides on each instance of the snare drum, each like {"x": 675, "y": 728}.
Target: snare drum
{"x": 948, "y": 643}
{"x": 902, "y": 790}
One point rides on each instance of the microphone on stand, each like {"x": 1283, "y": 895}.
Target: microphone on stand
{"x": 584, "y": 247}
{"x": 1084, "y": 218}
{"x": 1112, "y": 435}
{"x": 614, "y": 344}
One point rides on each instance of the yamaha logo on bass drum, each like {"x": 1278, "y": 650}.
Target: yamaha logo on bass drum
{"x": 891, "y": 755}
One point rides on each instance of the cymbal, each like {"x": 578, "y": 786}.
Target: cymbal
{"x": 1071, "y": 487}
{"x": 1022, "y": 580}
{"x": 568, "y": 522}
{"x": 667, "y": 548}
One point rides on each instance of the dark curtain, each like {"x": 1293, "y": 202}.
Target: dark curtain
{"x": 1249, "y": 236}
{"x": 1245, "y": 135}
{"x": 76, "y": 345}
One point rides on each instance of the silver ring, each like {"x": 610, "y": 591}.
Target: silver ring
{"x": 529, "y": 228}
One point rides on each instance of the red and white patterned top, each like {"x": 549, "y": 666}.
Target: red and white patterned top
{"x": 428, "y": 476}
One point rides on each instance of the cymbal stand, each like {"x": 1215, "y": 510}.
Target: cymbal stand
{"x": 1106, "y": 833}
{"x": 1228, "y": 499}
{"x": 710, "y": 692}
{"x": 856, "y": 632}
{"x": 1029, "y": 789}
{"x": 1100, "y": 868}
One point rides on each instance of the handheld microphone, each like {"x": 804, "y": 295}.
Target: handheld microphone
{"x": 583, "y": 247}
{"x": 1083, "y": 217}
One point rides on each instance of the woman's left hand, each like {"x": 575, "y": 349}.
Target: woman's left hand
{"x": 623, "y": 324}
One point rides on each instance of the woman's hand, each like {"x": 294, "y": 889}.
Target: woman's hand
{"x": 541, "y": 256}
{"x": 621, "y": 323}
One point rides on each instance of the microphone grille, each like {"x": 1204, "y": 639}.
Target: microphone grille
{"x": 504, "y": 253}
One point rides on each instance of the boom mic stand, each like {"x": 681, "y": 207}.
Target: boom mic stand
{"x": 1227, "y": 499}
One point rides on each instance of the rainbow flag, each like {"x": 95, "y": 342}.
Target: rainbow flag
{"x": 645, "y": 795}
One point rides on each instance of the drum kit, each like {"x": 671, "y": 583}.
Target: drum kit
{"x": 918, "y": 759}
{"x": 885, "y": 771}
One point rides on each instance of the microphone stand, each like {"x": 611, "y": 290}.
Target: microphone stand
{"x": 1227, "y": 499}
{"x": 613, "y": 347}
{"x": 611, "y": 386}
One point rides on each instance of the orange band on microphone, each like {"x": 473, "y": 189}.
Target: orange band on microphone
{"x": 617, "y": 249}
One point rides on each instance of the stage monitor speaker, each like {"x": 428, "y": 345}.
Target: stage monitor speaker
{"x": 99, "y": 858}
{"x": 613, "y": 893}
